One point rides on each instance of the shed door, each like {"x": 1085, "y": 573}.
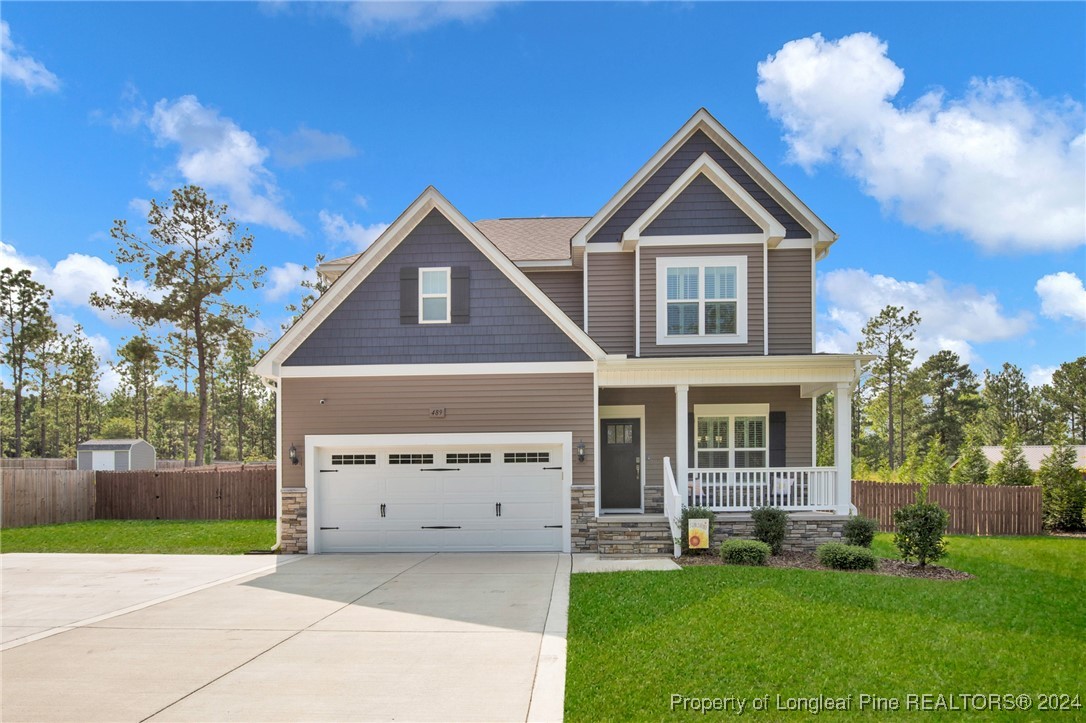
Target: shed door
{"x": 103, "y": 460}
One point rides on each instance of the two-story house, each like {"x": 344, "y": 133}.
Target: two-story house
{"x": 568, "y": 383}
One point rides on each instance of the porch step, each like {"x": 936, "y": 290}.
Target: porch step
{"x": 634, "y": 535}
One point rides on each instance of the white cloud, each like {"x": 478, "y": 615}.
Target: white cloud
{"x": 360, "y": 236}
{"x": 1039, "y": 376}
{"x": 20, "y": 68}
{"x": 404, "y": 17}
{"x": 952, "y": 317}
{"x": 218, "y": 154}
{"x": 362, "y": 202}
{"x": 307, "y": 145}
{"x": 1000, "y": 165}
{"x": 285, "y": 279}
{"x": 1062, "y": 295}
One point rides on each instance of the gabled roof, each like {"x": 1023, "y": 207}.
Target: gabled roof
{"x": 365, "y": 263}
{"x": 704, "y": 121}
{"x": 111, "y": 444}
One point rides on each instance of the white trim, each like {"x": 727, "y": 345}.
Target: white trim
{"x": 704, "y": 121}
{"x": 731, "y": 411}
{"x": 596, "y": 440}
{"x": 607, "y": 247}
{"x": 436, "y": 370}
{"x": 708, "y": 239}
{"x": 765, "y": 300}
{"x": 626, "y": 411}
{"x": 796, "y": 243}
{"x": 545, "y": 264}
{"x": 814, "y": 374}
{"x": 447, "y": 296}
{"x": 314, "y": 442}
{"x": 663, "y": 263}
{"x": 637, "y": 301}
{"x": 429, "y": 200}
{"x": 584, "y": 292}
{"x": 772, "y": 229}
{"x": 278, "y": 464}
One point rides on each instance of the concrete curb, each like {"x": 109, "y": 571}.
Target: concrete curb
{"x": 549, "y": 688}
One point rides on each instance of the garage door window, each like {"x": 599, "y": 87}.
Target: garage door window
{"x": 411, "y": 459}
{"x": 526, "y": 457}
{"x": 468, "y": 458}
{"x": 341, "y": 459}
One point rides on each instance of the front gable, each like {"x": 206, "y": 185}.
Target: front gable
{"x": 501, "y": 324}
{"x": 701, "y": 208}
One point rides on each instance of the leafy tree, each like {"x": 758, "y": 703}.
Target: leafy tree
{"x": 45, "y": 370}
{"x": 1068, "y": 393}
{"x": 1043, "y": 415}
{"x": 191, "y": 262}
{"x": 24, "y": 316}
{"x": 972, "y": 466}
{"x": 952, "y": 399}
{"x": 1006, "y": 402}
{"x": 315, "y": 286}
{"x": 886, "y": 336}
{"x": 1063, "y": 486}
{"x": 81, "y": 381}
{"x": 117, "y": 428}
{"x": 824, "y": 427}
{"x": 1012, "y": 469}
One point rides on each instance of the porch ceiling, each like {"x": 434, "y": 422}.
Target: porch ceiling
{"x": 814, "y": 374}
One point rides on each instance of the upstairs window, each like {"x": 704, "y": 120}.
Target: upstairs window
{"x": 701, "y": 300}
{"x": 434, "y": 302}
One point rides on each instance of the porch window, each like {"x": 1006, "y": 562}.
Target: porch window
{"x": 701, "y": 300}
{"x": 731, "y": 436}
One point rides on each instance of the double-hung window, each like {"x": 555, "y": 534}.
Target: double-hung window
{"x": 701, "y": 300}
{"x": 434, "y": 293}
{"x": 731, "y": 436}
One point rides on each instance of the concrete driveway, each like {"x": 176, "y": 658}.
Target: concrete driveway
{"x": 472, "y": 636}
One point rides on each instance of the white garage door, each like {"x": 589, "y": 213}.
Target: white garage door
{"x": 418, "y": 498}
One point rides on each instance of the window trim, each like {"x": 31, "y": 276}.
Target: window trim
{"x": 447, "y": 296}
{"x": 663, "y": 263}
{"x": 732, "y": 412}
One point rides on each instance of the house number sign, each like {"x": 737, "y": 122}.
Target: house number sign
{"x": 437, "y": 412}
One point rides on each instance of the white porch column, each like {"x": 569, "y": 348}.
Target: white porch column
{"x": 682, "y": 478}
{"x": 842, "y": 443}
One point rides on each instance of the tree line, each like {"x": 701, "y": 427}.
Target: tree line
{"x": 185, "y": 380}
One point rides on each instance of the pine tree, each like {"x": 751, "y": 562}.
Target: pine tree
{"x": 886, "y": 336}
{"x": 935, "y": 470}
{"x": 1012, "y": 468}
{"x": 1063, "y": 486}
{"x": 972, "y": 466}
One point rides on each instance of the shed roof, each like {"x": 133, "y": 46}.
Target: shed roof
{"x": 109, "y": 444}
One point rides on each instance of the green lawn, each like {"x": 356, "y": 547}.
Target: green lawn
{"x": 637, "y": 638}
{"x": 191, "y": 537}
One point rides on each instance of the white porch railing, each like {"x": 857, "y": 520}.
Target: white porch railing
{"x": 673, "y": 504}
{"x": 739, "y": 490}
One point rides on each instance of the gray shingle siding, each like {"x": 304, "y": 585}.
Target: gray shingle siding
{"x": 680, "y": 160}
{"x": 701, "y": 208}
{"x": 504, "y": 325}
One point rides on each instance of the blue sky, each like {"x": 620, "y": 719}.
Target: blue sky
{"x": 943, "y": 142}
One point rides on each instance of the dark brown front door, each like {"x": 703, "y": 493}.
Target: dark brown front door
{"x": 620, "y": 464}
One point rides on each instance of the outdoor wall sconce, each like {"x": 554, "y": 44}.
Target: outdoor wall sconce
{"x": 580, "y": 451}
{"x": 293, "y": 453}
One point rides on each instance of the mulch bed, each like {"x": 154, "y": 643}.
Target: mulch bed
{"x": 807, "y": 561}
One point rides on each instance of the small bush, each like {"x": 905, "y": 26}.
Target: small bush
{"x": 920, "y": 530}
{"x": 846, "y": 557}
{"x": 695, "y": 513}
{"x": 770, "y": 524}
{"x": 860, "y": 531}
{"x": 744, "y": 552}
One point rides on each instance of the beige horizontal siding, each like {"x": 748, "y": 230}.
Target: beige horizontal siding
{"x": 401, "y": 405}
{"x": 790, "y": 321}
{"x": 611, "y": 301}
{"x": 755, "y": 341}
{"x": 564, "y": 288}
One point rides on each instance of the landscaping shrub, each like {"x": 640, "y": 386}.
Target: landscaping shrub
{"x": 860, "y": 531}
{"x": 846, "y": 557}
{"x": 920, "y": 530}
{"x": 1063, "y": 489}
{"x": 770, "y": 524}
{"x": 696, "y": 513}
{"x": 744, "y": 552}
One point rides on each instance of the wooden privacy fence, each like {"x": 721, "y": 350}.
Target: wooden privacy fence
{"x": 214, "y": 495}
{"x": 974, "y": 509}
{"x": 45, "y": 496}
{"x": 36, "y": 463}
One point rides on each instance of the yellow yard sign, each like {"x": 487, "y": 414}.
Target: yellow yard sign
{"x": 697, "y": 536}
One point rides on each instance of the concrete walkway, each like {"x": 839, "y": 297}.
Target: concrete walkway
{"x": 337, "y": 637}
